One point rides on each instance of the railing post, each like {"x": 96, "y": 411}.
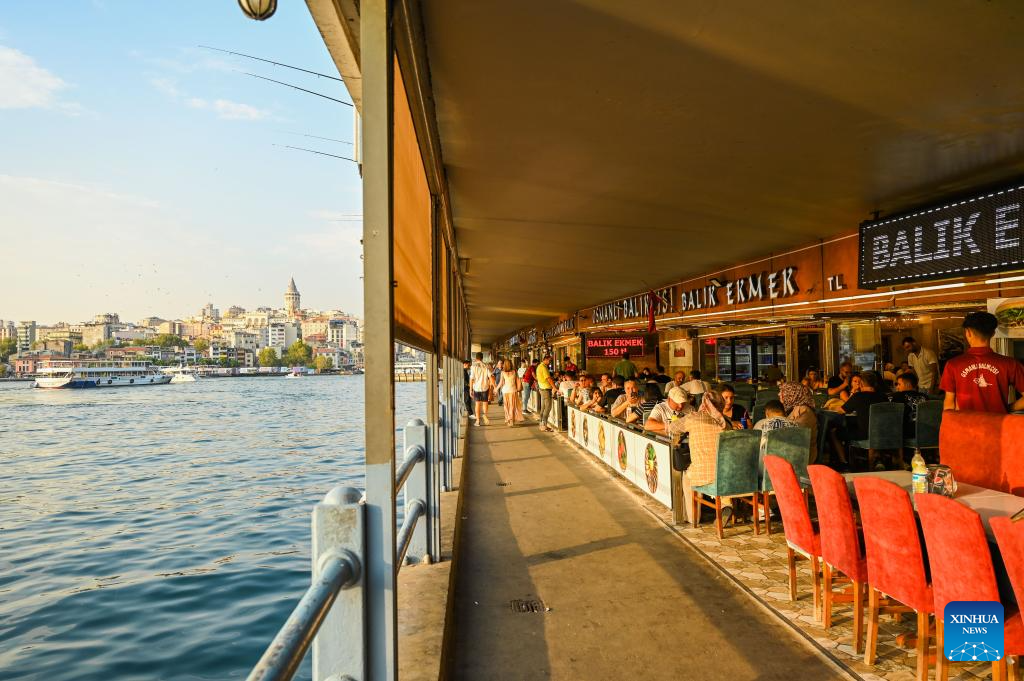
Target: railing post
{"x": 339, "y": 649}
{"x": 418, "y": 488}
{"x": 445, "y": 463}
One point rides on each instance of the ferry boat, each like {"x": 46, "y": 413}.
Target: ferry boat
{"x": 98, "y": 374}
{"x": 180, "y": 374}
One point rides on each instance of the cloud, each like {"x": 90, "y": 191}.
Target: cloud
{"x": 224, "y": 108}
{"x": 26, "y": 85}
{"x": 56, "y": 190}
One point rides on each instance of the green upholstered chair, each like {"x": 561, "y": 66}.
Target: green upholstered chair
{"x": 766, "y": 395}
{"x": 926, "y": 429}
{"x": 791, "y": 444}
{"x": 735, "y": 476}
{"x": 744, "y": 394}
{"x": 757, "y": 413}
{"x": 820, "y": 399}
{"x": 885, "y": 431}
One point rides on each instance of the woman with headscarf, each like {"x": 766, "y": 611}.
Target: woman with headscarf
{"x": 703, "y": 426}
{"x": 798, "y": 401}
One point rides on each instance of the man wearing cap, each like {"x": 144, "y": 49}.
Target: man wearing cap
{"x": 675, "y": 406}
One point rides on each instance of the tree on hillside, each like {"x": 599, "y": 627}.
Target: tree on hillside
{"x": 8, "y": 347}
{"x": 299, "y": 354}
{"x": 269, "y": 358}
{"x": 80, "y": 347}
{"x": 201, "y": 345}
{"x": 169, "y": 340}
{"x": 323, "y": 363}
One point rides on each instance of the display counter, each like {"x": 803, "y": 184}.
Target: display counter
{"x": 643, "y": 458}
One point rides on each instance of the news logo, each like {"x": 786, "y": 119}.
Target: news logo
{"x": 973, "y": 631}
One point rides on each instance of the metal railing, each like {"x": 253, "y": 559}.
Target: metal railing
{"x": 331, "y": 615}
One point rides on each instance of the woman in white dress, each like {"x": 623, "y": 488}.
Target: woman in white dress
{"x": 510, "y": 386}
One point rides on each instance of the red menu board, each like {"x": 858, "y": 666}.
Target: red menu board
{"x": 615, "y": 346}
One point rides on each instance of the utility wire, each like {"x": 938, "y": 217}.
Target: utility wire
{"x": 314, "y": 151}
{"x": 296, "y": 87}
{"x": 317, "y": 137}
{"x": 277, "y": 63}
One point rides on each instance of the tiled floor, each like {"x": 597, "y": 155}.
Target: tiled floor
{"x": 758, "y": 565}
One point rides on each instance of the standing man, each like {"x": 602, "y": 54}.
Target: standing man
{"x": 569, "y": 364}
{"x": 980, "y": 379}
{"x": 924, "y": 363}
{"x": 467, "y": 395}
{"x": 480, "y": 382}
{"x": 545, "y": 383}
{"x": 625, "y": 368}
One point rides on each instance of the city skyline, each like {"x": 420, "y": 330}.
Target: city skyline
{"x": 146, "y": 176}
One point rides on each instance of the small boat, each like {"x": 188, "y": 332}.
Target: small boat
{"x": 180, "y": 374}
{"x": 99, "y": 373}
{"x": 294, "y": 373}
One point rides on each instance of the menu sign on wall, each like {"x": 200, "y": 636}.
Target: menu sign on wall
{"x": 616, "y": 346}
{"x": 976, "y": 235}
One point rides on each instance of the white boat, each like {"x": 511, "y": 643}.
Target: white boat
{"x": 294, "y": 373}
{"x": 180, "y": 374}
{"x": 98, "y": 373}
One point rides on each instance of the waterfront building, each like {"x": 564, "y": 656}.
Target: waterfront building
{"x": 292, "y": 299}
{"x": 174, "y": 328}
{"x": 151, "y": 322}
{"x": 107, "y": 318}
{"x": 247, "y": 339}
{"x": 343, "y": 332}
{"x": 314, "y": 326}
{"x": 8, "y": 330}
{"x": 281, "y": 334}
{"x": 26, "y": 335}
{"x": 95, "y": 333}
{"x": 234, "y": 312}
{"x": 209, "y": 313}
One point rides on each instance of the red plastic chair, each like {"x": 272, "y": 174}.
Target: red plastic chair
{"x": 1010, "y": 537}
{"x": 895, "y": 562}
{"x": 840, "y": 547}
{"x": 801, "y": 538}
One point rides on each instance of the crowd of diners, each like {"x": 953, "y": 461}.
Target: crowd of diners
{"x": 685, "y": 407}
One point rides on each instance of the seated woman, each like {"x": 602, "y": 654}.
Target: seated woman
{"x": 836, "y": 403}
{"x": 813, "y": 380}
{"x": 798, "y": 401}
{"x": 704, "y": 427}
{"x": 593, "y": 405}
{"x": 733, "y": 411}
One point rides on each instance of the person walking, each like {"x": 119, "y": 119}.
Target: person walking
{"x": 545, "y": 384}
{"x": 509, "y": 386}
{"x": 481, "y": 383}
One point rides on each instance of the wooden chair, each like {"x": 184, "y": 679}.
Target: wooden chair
{"x": 791, "y": 444}
{"x": 961, "y": 567}
{"x": 840, "y": 547}
{"x": 895, "y": 562}
{"x": 735, "y": 476}
{"x": 801, "y": 538}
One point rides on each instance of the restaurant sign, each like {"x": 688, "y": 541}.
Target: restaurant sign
{"x": 754, "y": 287}
{"x": 563, "y": 327}
{"x": 971, "y": 236}
{"x": 635, "y": 306}
{"x": 616, "y": 346}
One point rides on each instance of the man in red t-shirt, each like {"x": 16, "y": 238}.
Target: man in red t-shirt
{"x": 980, "y": 379}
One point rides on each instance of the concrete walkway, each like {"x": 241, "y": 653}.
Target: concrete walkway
{"x": 622, "y": 597}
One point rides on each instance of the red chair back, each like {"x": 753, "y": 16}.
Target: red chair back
{"x": 840, "y": 541}
{"x": 893, "y": 546}
{"x": 958, "y": 553}
{"x": 795, "y": 518}
{"x": 1010, "y": 537}
{"x": 983, "y": 449}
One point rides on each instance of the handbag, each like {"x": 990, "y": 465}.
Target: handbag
{"x": 681, "y": 458}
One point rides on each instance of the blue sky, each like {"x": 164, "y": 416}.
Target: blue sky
{"x": 138, "y": 173}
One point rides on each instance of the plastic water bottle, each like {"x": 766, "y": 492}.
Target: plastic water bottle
{"x": 920, "y": 473}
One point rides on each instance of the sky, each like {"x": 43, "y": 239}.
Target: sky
{"x": 139, "y": 172}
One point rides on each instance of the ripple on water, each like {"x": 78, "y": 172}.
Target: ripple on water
{"x": 164, "y": 533}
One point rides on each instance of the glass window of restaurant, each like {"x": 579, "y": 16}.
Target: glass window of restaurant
{"x": 742, "y": 358}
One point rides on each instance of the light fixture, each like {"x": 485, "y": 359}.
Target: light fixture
{"x": 1004, "y": 280}
{"x": 260, "y": 10}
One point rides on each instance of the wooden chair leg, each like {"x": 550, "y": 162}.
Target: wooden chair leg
{"x": 922, "y": 645}
{"x": 695, "y": 508}
{"x": 767, "y": 511}
{"x": 941, "y": 663}
{"x": 1013, "y": 668}
{"x": 858, "y": 617}
{"x": 792, "y": 573}
{"x": 872, "y": 635}
{"x": 999, "y": 670}
{"x": 718, "y": 517}
{"x": 816, "y": 577}
{"x": 826, "y": 613}
{"x": 757, "y": 521}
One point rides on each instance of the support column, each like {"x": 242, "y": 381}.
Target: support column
{"x": 378, "y": 303}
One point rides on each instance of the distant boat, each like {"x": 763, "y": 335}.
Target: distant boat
{"x": 294, "y": 373}
{"x": 180, "y": 374}
{"x": 97, "y": 374}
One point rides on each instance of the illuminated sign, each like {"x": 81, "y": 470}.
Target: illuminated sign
{"x": 563, "y": 327}
{"x": 755, "y": 287}
{"x": 981, "y": 234}
{"x": 635, "y": 306}
{"x": 616, "y": 346}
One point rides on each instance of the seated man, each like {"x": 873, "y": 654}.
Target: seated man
{"x": 907, "y": 393}
{"x": 860, "y": 404}
{"x": 629, "y": 405}
{"x": 675, "y": 406}
{"x": 581, "y": 393}
{"x": 567, "y": 384}
{"x": 774, "y": 418}
{"x": 678, "y": 379}
{"x": 695, "y": 386}
{"x": 613, "y": 393}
